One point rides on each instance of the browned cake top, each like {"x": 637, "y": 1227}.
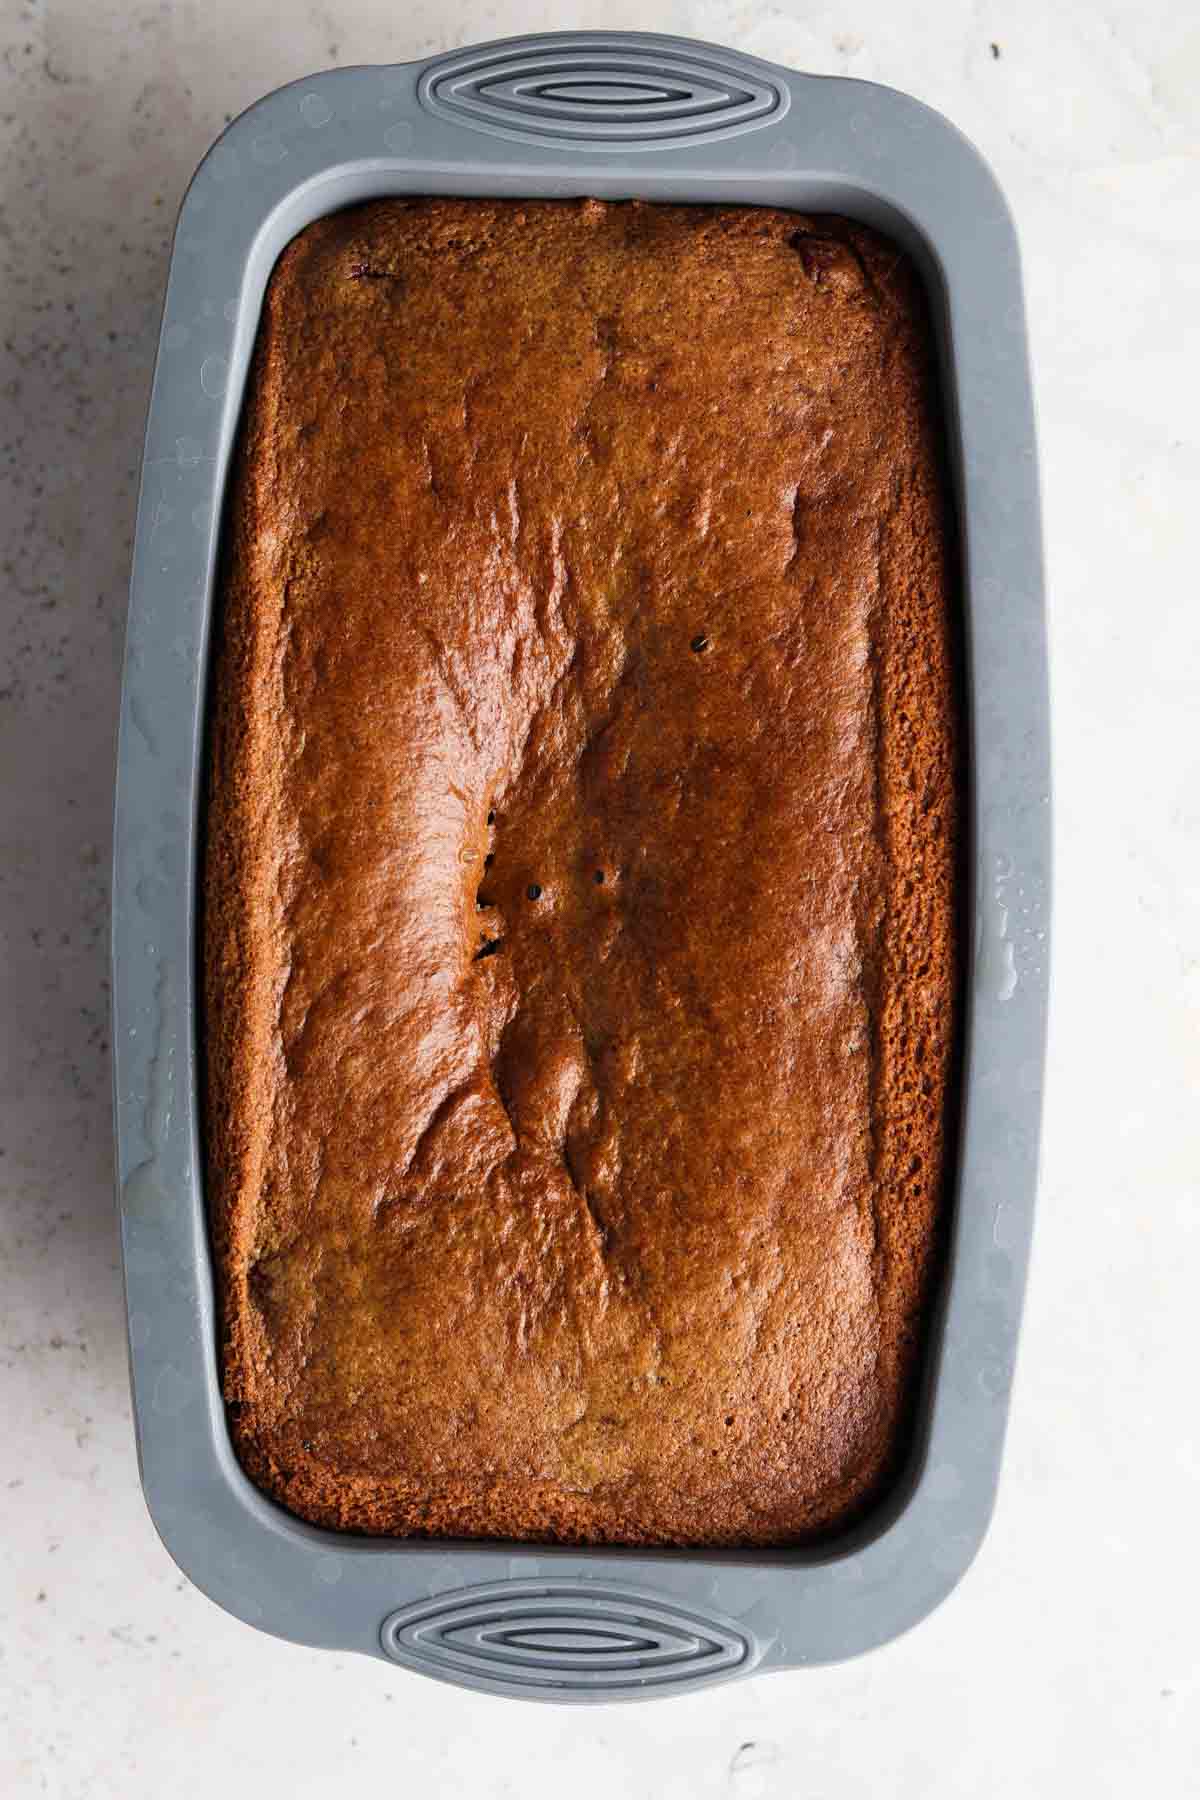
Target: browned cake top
{"x": 580, "y": 961}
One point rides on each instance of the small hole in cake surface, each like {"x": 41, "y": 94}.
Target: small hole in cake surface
{"x": 488, "y": 947}
{"x": 599, "y": 877}
{"x": 701, "y": 642}
{"x": 534, "y": 891}
{"x": 491, "y": 818}
{"x": 488, "y": 860}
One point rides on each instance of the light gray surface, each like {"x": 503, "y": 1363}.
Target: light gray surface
{"x": 1069, "y": 1678}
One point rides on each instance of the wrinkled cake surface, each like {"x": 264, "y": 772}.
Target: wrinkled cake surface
{"x": 579, "y": 948}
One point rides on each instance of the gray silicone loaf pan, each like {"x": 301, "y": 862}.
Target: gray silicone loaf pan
{"x": 612, "y": 115}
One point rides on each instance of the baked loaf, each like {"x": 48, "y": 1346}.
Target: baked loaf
{"x": 580, "y": 953}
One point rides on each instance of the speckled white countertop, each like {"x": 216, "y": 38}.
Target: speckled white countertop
{"x": 1069, "y": 1659}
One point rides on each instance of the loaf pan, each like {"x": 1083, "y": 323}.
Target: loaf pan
{"x": 613, "y": 115}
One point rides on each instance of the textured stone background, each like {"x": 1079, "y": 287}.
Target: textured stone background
{"x": 1068, "y": 1661}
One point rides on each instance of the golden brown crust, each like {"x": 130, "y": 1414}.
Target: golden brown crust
{"x": 580, "y": 944}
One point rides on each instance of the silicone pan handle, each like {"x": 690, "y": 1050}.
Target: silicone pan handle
{"x": 595, "y": 92}
{"x": 567, "y": 1640}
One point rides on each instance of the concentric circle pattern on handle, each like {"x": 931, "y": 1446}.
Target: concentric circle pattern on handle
{"x": 602, "y": 93}
{"x": 552, "y": 1639}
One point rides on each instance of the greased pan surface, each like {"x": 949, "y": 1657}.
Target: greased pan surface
{"x": 612, "y": 115}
